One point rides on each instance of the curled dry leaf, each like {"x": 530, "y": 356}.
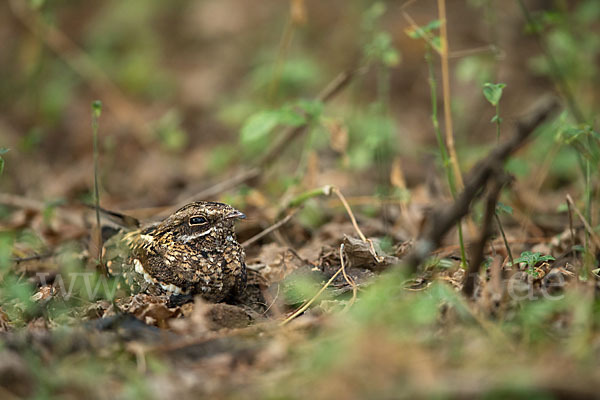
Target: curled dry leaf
{"x": 152, "y": 310}
{"x": 338, "y": 136}
{"x": 4, "y": 322}
{"x": 44, "y": 293}
{"x": 274, "y": 262}
{"x": 298, "y": 12}
{"x": 359, "y": 255}
{"x": 397, "y": 175}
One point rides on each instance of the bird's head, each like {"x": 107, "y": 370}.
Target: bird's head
{"x": 200, "y": 221}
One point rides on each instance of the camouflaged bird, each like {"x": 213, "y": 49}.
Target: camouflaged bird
{"x": 193, "y": 251}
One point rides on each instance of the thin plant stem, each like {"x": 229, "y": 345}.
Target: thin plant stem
{"x": 498, "y": 122}
{"x": 270, "y": 229}
{"x": 592, "y": 234}
{"x": 442, "y": 147}
{"x": 571, "y": 230}
{"x": 588, "y": 192}
{"x": 348, "y": 279}
{"x": 312, "y": 300}
{"x": 84, "y": 65}
{"x": 284, "y": 45}
{"x": 501, "y": 228}
{"x": 557, "y": 72}
{"x": 492, "y": 23}
{"x": 446, "y": 93}
{"x": 96, "y": 111}
{"x": 589, "y": 256}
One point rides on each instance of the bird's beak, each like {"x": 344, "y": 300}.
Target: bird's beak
{"x": 235, "y": 214}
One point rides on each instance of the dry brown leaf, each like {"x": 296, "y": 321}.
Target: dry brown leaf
{"x": 311, "y": 177}
{"x": 4, "y": 322}
{"x": 298, "y": 12}
{"x": 397, "y": 175}
{"x": 338, "y": 136}
{"x": 359, "y": 254}
{"x": 152, "y": 310}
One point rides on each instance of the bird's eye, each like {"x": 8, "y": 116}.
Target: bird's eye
{"x": 198, "y": 221}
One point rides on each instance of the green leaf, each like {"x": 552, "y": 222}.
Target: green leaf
{"x": 97, "y": 108}
{"x": 170, "y": 133}
{"x": 583, "y": 139}
{"x": 422, "y": 31}
{"x": 290, "y": 116}
{"x": 437, "y": 43}
{"x": 391, "y": 57}
{"x": 258, "y": 126}
{"x": 503, "y": 208}
{"x": 372, "y": 16}
{"x": 312, "y": 108}
{"x": 493, "y": 92}
{"x": 36, "y": 4}
{"x": 532, "y": 259}
{"x": 496, "y": 119}
{"x": 3, "y": 150}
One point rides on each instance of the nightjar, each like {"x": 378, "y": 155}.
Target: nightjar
{"x": 193, "y": 251}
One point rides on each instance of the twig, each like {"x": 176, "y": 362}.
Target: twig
{"x": 332, "y": 89}
{"x": 446, "y": 250}
{"x": 348, "y": 279}
{"x": 97, "y": 235}
{"x": 303, "y": 197}
{"x": 284, "y": 46}
{"x": 312, "y": 300}
{"x": 571, "y": 230}
{"x": 294, "y": 253}
{"x": 586, "y": 224}
{"x": 83, "y": 65}
{"x": 355, "y": 224}
{"x": 290, "y": 134}
{"x": 33, "y": 257}
{"x": 443, "y": 219}
{"x": 443, "y": 151}
{"x": 326, "y": 191}
{"x": 506, "y": 245}
{"x": 270, "y": 229}
{"x": 269, "y": 306}
{"x": 121, "y": 219}
{"x": 476, "y": 50}
{"x": 350, "y": 213}
{"x": 214, "y": 190}
{"x": 479, "y": 247}
{"x": 429, "y": 38}
{"x": 13, "y": 200}
{"x": 446, "y": 93}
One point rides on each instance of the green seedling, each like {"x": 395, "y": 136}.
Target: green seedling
{"x": 3, "y": 150}
{"x": 531, "y": 259}
{"x": 493, "y": 94}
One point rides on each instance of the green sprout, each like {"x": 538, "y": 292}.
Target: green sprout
{"x": 493, "y": 94}
{"x": 3, "y": 150}
{"x": 531, "y": 259}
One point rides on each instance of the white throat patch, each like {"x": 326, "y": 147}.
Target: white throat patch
{"x": 196, "y": 235}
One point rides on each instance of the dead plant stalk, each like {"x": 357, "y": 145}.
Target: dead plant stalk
{"x": 446, "y": 93}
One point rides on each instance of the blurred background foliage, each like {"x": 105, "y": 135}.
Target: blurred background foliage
{"x": 196, "y": 91}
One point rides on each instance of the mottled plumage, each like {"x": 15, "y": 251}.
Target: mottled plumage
{"x": 193, "y": 251}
